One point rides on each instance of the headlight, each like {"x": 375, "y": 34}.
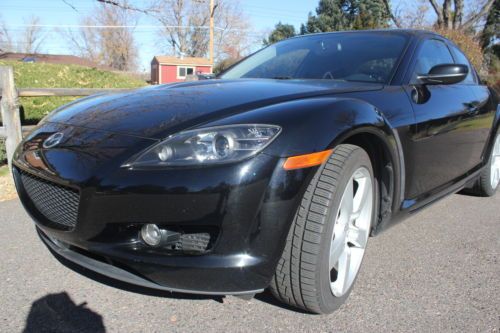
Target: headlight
{"x": 213, "y": 145}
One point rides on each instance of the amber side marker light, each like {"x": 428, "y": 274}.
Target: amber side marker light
{"x": 307, "y": 160}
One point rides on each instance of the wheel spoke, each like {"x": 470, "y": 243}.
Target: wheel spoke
{"x": 360, "y": 197}
{"x": 357, "y": 237}
{"x": 336, "y": 248}
{"x": 341, "y": 283}
{"x": 495, "y": 165}
{"x": 346, "y": 205}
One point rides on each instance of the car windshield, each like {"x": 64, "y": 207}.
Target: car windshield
{"x": 361, "y": 57}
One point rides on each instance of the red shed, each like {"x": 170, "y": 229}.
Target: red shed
{"x": 166, "y": 69}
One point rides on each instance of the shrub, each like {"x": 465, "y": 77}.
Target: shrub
{"x": 468, "y": 44}
{"x": 224, "y": 64}
{"x": 3, "y": 153}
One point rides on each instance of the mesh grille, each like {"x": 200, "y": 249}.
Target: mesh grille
{"x": 57, "y": 203}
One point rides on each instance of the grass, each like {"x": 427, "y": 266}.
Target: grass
{"x": 4, "y": 170}
{"x": 42, "y": 75}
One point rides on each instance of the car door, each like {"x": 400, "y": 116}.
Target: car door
{"x": 479, "y": 125}
{"x": 440, "y": 146}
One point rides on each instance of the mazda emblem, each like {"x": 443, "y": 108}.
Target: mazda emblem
{"x": 53, "y": 140}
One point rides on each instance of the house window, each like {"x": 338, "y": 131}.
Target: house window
{"x": 183, "y": 71}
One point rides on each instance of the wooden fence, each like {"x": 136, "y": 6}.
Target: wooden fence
{"x": 9, "y": 105}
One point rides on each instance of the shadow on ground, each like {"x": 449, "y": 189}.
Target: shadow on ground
{"x": 58, "y": 313}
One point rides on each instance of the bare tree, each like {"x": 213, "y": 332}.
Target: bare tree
{"x": 185, "y": 23}
{"x": 186, "y": 32}
{"x": 6, "y": 44}
{"x": 450, "y": 14}
{"x": 111, "y": 44}
{"x": 413, "y": 15}
{"x": 85, "y": 41}
{"x": 32, "y": 37}
{"x": 232, "y": 33}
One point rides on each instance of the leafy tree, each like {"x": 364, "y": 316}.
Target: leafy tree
{"x": 335, "y": 15}
{"x": 491, "y": 31}
{"x": 281, "y": 31}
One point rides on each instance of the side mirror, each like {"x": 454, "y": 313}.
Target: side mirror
{"x": 444, "y": 74}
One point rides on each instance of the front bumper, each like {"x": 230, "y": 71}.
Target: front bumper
{"x": 108, "y": 269}
{"x": 250, "y": 205}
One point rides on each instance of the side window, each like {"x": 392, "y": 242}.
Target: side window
{"x": 462, "y": 59}
{"x": 433, "y": 52}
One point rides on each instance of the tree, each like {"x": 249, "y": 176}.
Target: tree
{"x": 450, "y": 14}
{"x": 6, "y": 44}
{"x": 491, "y": 30}
{"x": 114, "y": 46}
{"x": 31, "y": 37}
{"x": 185, "y": 25}
{"x": 281, "y": 31}
{"x": 186, "y": 31}
{"x": 336, "y": 15}
{"x": 414, "y": 15}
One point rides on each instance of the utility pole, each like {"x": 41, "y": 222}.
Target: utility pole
{"x": 211, "y": 46}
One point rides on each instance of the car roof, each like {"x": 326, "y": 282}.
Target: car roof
{"x": 408, "y": 32}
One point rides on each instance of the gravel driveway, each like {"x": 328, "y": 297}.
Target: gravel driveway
{"x": 437, "y": 272}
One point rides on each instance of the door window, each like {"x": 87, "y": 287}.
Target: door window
{"x": 462, "y": 60}
{"x": 433, "y": 52}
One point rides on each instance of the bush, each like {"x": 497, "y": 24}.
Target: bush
{"x": 470, "y": 46}
{"x": 3, "y": 153}
{"x": 224, "y": 64}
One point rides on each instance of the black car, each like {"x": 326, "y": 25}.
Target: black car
{"x": 273, "y": 175}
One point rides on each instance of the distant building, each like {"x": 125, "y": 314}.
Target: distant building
{"x": 49, "y": 58}
{"x": 166, "y": 69}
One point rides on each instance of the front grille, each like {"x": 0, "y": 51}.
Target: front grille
{"x": 59, "y": 204}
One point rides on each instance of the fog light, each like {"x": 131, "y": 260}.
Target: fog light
{"x": 151, "y": 234}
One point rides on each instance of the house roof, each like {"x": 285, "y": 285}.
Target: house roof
{"x": 184, "y": 61}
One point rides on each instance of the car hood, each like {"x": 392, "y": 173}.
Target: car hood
{"x": 158, "y": 111}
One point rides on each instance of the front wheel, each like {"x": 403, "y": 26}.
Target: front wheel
{"x": 328, "y": 237}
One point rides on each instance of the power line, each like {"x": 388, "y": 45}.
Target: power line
{"x": 123, "y": 26}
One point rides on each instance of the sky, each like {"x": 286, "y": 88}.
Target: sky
{"x": 263, "y": 15}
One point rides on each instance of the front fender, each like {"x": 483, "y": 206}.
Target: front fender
{"x": 314, "y": 124}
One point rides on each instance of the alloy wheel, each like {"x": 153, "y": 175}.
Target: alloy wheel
{"x": 495, "y": 164}
{"x": 351, "y": 231}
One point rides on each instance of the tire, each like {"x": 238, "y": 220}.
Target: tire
{"x": 304, "y": 277}
{"x": 488, "y": 182}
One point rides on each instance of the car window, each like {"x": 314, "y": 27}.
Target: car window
{"x": 280, "y": 66}
{"x": 360, "y": 57}
{"x": 433, "y": 52}
{"x": 462, "y": 59}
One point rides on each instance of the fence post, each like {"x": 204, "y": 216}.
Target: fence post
{"x": 9, "y": 106}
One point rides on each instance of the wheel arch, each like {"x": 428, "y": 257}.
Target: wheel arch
{"x": 385, "y": 154}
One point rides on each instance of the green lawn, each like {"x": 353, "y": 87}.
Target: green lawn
{"x": 41, "y": 75}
